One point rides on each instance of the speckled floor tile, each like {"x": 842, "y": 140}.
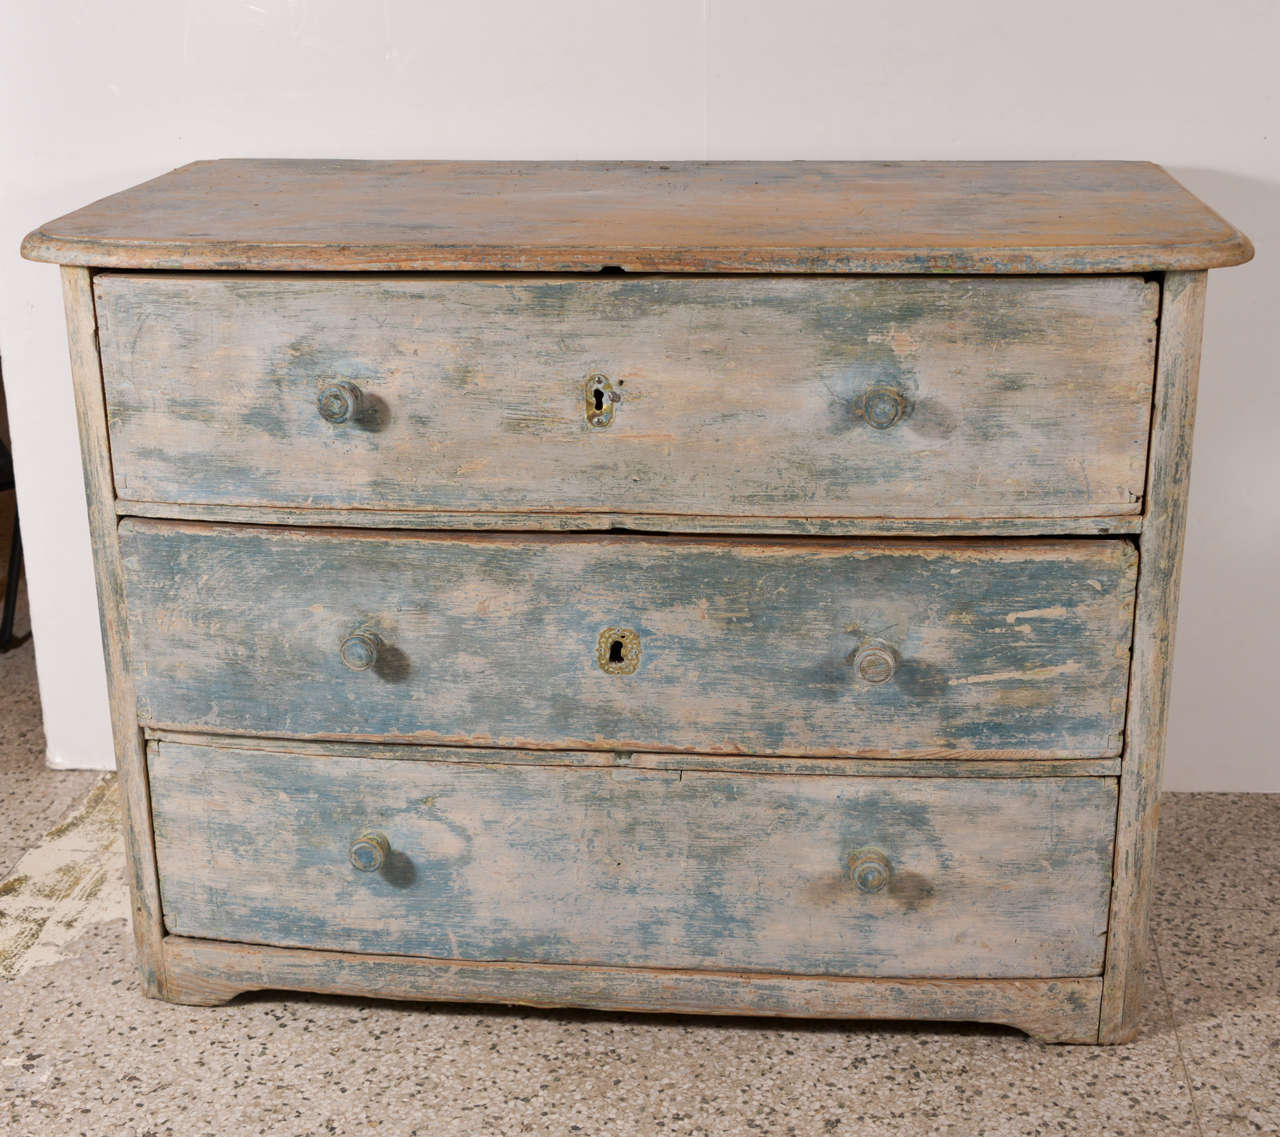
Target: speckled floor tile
{"x": 32, "y": 797}
{"x": 1234, "y": 1064}
{"x": 1218, "y": 851}
{"x": 88, "y": 1051}
{"x": 1222, "y": 972}
{"x": 978, "y": 1083}
{"x": 1218, "y": 963}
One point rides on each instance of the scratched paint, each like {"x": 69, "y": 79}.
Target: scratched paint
{"x": 765, "y": 217}
{"x": 991, "y": 877}
{"x": 740, "y": 646}
{"x": 740, "y": 397}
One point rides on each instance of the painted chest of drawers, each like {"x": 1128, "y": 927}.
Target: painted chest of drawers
{"x": 714, "y": 587}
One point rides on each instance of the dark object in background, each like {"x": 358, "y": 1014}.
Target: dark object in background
{"x": 8, "y": 641}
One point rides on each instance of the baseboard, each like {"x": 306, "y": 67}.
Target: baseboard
{"x": 95, "y": 760}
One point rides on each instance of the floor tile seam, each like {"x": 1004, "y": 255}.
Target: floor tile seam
{"x": 1167, "y": 998}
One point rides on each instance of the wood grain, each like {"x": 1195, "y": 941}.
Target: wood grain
{"x": 990, "y": 878}
{"x": 1052, "y": 1010}
{"x": 77, "y": 291}
{"x": 882, "y": 217}
{"x": 1006, "y": 649}
{"x": 1181, "y": 322}
{"x": 739, "y": 397}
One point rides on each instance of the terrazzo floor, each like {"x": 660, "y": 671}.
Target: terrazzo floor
{"x": 81, "y": 1052}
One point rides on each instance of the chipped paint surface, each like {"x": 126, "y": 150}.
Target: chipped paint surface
{"x": 890, "y": 217}
{"x": 746, "y": 398}
{"x": 697, "y": 869}
{"x": 73, "y": 878}
{"x": 1155, "y": 620}
{"x": 744, "y": 645}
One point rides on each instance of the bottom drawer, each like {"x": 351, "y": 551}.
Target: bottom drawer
{"x": 798, "y": 873}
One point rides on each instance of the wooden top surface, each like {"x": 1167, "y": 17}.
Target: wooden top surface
{"x": 881, "y": 217}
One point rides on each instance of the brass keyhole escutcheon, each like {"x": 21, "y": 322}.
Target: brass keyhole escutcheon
{"x": 600, "y": 399}
{"x": 618, "y": 651}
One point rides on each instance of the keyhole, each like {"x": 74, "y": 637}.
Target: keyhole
{"x": 618, "y": 651}
{"x": 599, "y": 399}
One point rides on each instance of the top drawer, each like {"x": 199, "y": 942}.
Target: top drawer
{"x": 742, "y": 398}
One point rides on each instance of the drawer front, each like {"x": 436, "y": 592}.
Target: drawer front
{"x": 819, "y": 398}
{"x": 792, "y": 647}
{"x": 805, "y": 874}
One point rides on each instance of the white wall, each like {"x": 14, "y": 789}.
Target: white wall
{"x": 97, "y": 96}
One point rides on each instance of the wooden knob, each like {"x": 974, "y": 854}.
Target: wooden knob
{"x": 339, "y": 402}
{"x": 870, "y": 870}
{"x": 875, "y": 663}
{"x": 883, "y": 406}
{"x": 360, "y": 650}
{"x": 369, "y": 851}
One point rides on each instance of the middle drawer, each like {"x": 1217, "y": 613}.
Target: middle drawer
{"x": 836, "y": 647}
